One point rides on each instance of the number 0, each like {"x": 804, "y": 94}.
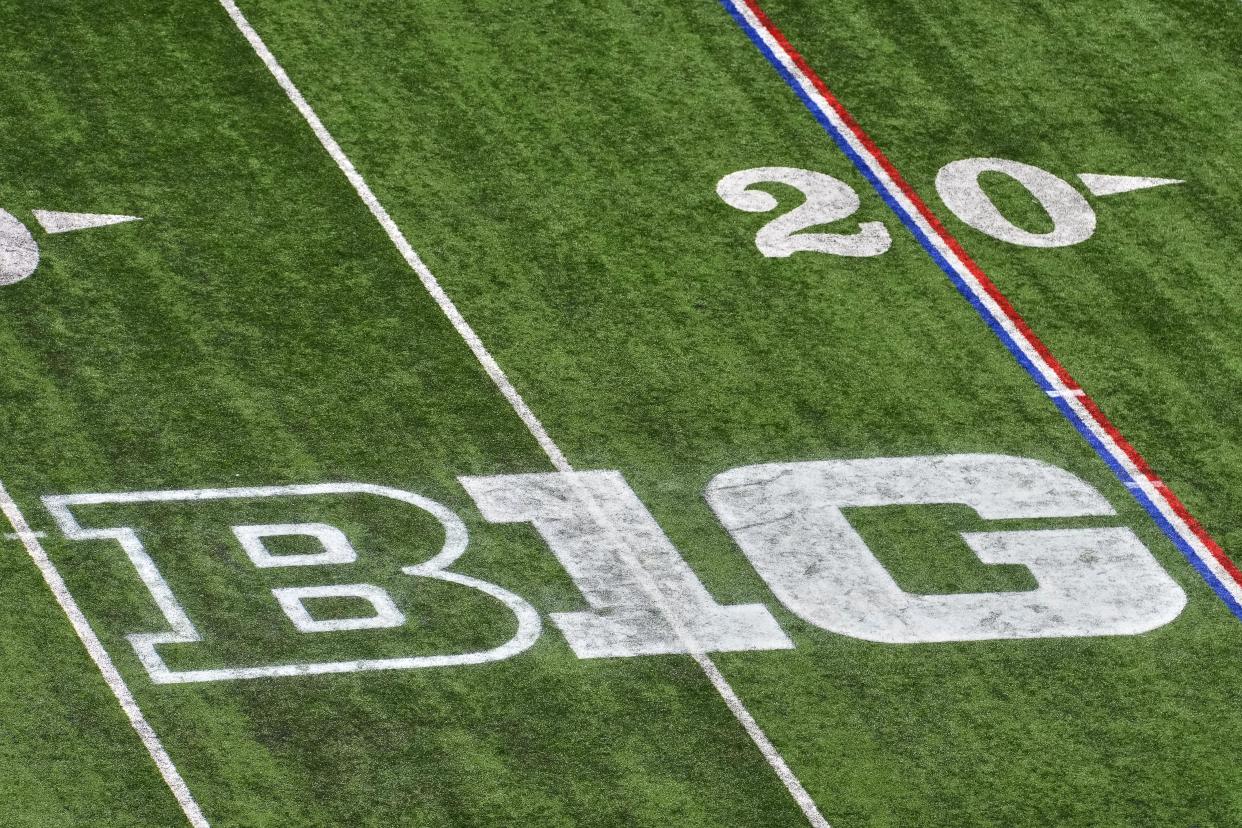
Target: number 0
{"x": 1073, "y": 220}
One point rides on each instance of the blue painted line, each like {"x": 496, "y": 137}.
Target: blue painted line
{"x": 906, "y": 218}
{"x": 995, "y": 324}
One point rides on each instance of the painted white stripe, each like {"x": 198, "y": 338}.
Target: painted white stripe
{"x": 103, "y": 661}
{"x": 777, "y": 762}
{"x": 717, "y": 679}
{"x": 398, "y": 238}
{"x": 1058, "y": 388}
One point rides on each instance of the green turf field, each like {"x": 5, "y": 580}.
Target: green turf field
{"x": 555, "y": 167}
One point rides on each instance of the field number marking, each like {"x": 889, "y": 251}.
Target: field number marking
{"x": 1073, "y": 220}
{"x": 830, "y": 199}
{"x": 644, "y": 598}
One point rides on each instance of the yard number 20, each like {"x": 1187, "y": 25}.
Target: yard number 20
{"x": 830, "y": 200}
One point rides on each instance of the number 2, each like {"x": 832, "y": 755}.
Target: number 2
{"x": 827, "y": 200}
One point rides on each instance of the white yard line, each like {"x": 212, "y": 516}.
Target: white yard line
{"x": 554, "y": 453}
{"x": 398, "y": 239}
{"x": 99, "y": 655}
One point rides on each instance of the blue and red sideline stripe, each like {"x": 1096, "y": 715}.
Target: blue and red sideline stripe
{"x": 1207, "y": 557}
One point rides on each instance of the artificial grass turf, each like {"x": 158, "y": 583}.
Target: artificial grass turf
{"x": 556, "y": 170}
{"x": 257, "y": 328}
{"x": 726, "y": 358}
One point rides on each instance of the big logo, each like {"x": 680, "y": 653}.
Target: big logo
{"x": 643, "y": 598}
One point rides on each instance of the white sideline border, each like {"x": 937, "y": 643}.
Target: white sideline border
{"x": 94, "y": 647}
{"x": 497, "y": 374}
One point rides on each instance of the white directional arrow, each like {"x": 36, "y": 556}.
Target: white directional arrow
{"x": 56, "y": 222}
{"x": 19, "y": 252}
{"x": 1102, "y": 185}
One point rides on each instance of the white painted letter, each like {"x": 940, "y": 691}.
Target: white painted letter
{"x": 787, "y": 519}
{"x": 336, "y": 551}
{"x": 644, "y": 598}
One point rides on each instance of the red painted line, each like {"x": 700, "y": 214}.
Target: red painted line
{"x": 990, "y": 288}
